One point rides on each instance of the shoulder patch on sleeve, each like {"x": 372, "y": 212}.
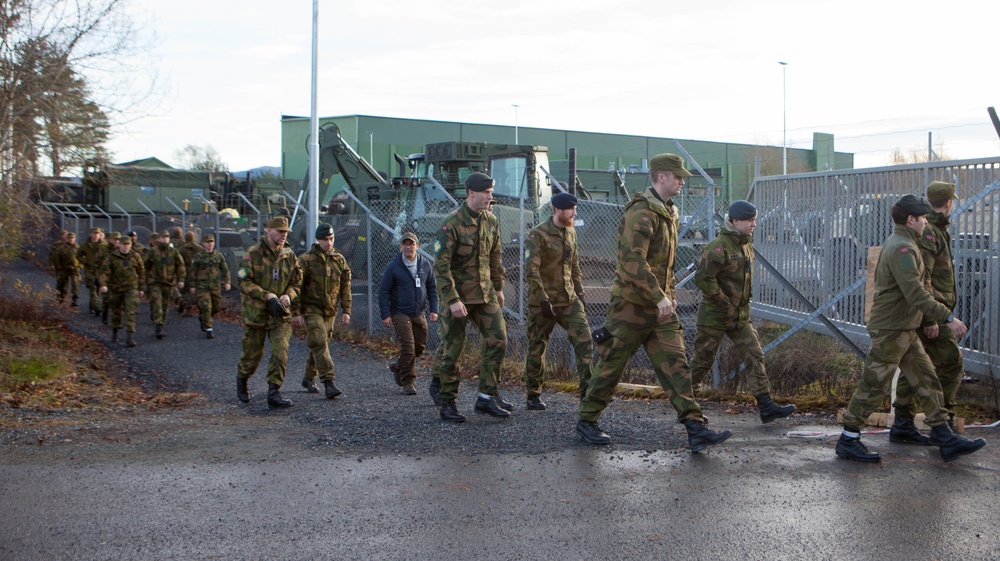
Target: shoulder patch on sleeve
{"x": 241, "y": 274}
{"x": 437, "y": 243}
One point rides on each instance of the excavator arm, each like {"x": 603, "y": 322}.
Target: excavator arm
{"x": 337, "y": 156}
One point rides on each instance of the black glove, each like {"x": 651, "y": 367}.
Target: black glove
{"x": 547, "y": 311}
{"x": 275, "y": 308}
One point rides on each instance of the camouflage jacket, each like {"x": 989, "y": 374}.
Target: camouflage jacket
{"x": 123, "y": 272}
{"x": 188, "y": 252}
{"x": 647, "y": 245}
{"x": 552, "y": 265}
{"x": 89, "y": 256}
{"x": 326, "y": 279}
{"x": 901, "y": 297}
{"x": 262, "y": 271}
{"x": 468, "y": 259}
{"x": 935, "y": 248}
{"x": 164, "y": 265}
{"x": 140, "y": 250}
{"x": 63, "y": 257}
{"x": 209, "y": 271}
{"x": 725, "y": 278}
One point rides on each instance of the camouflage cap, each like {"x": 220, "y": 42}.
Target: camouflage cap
{"x": 939, "y": 191}
{"x": 410, "y": 236}
{"x": 71, "y": 235}
{"x": 96, "y": 230}
{"x": 154, "y": 235}
{"x": 669, "y": 162}
{"x": 115, "y": 236}
{"x": 279, "y": 223}
{"x": 564, "y": 201}
{"x": 207, "y": 238}
{"x": 914, "y": 205}
{"x": 479, "y": 182}
{"x": 165, "y": 234}
{"x": 125, "y": 240}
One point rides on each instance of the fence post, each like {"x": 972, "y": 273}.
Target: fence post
{"x": 368, "y": 246}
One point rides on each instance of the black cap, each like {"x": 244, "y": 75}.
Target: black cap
{"x": 564, "y": 201}
{"x": 324, "y": 231}
{"x": 479, "y": 182}
{"x": 914, "y": 205}
{"x": 742, "y": 210}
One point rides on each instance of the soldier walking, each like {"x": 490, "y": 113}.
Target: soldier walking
{"x": 469, "y": 271}
{"x": 642, "y": 309}
{"x": 555, "y": 296}
{"x": 89, "y": 257}
{"x": 901, "y": 302}
{"x": 114, "y": 238}
{"x": 164, "y": 272}
{"x": 269, "y": 278}
{"x": 209, "y": 273}
{"x": 407, "y": 291}
{"x": 188, "y": 250}
{"x": 725, "y": 278}
{"x": 67, "y": 268}
{"x": 326, "y": 280}
{"x": 122, "y": 278}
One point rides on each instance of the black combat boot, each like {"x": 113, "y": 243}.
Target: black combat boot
{"x": 130, "y": 339}
{"x": 274, "y": 398}
{"x": 535, "y": 403}
{"x": 591, "y": 433}
{"x": 903, "y": 431}
{"x": 74, "y": 304}
{"x": 104, "y": 315}
{"x": 770, "y": 410}
{"x": 851, "y": 448}
{"x": 159, "y": 331}
{"x": 435, "y": 391}
{"x": 114, "y": 335}
{"x": 699, "y": 436}
{"x": 450, "y": 413}
{"x": 241, "y": 389}
{"x": 952, "y": 446}
{"x": 502, "y": 403}
{"x": 209, "y": 334}
{"x": 310, "y": 385}
{"x": 490, "y": 406}
{"x": 332, "y": 391}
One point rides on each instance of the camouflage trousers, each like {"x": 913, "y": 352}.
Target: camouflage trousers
{"x": 159, "y": 302}
{"x": 189, "y": 300}
{"x": 279, "y": 332}
{"x": 946, "y": 356}
{"x": 93, "y": 289}
{"x": 488, "y": 318}
{"x": 209, "y": 303}
{"x": 411, "y": 336}
{"x": 122, "y": 306}
{"x": 744, "y": 337}
{"x": 319, "y": 331}
{"x": 632, "y": 326}
{"x": 67, "y": 281}
{"x": 891, "y": 349}
{"x": 572, "y": 318}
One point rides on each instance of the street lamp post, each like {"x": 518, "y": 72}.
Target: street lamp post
{"x": 784, "y": 119}
{"x": 515, "y": 106}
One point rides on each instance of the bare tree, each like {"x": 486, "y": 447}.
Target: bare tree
{"x": 915, "y": 155}
{"x": 204, "y": 158}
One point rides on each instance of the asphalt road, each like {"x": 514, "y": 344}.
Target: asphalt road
{"x": 376, "y": 475}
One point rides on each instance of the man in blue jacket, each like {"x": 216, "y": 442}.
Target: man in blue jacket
{"x": 408, "y": 291}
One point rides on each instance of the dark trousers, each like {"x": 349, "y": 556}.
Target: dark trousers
{"x": 411, "y": 335}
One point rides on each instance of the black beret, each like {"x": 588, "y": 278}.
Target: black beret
{"x": 479, "y": 182}
{"x": 324, "y": 231}
{"x": 564, "y": 201}
{"x": 742, "y": 210}
{"x": 914, "y": 205}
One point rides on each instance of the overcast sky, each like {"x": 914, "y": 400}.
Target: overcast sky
{"x": 877, "y": 74}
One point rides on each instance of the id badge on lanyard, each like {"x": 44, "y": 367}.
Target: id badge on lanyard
{"x": 417, "y": 281}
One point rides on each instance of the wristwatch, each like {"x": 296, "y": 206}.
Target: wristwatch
{"x": 950, "y": 318}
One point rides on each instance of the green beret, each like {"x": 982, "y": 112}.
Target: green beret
{"x": 279, "y": 223}
{"x": 324, "y": 231}
{"x": 914, "y": 205}
{"x": 940, "y": 192}
{"x": 479, "y": 182}
{"x": 669, "y": 162}
{"x": 742, "y": 210}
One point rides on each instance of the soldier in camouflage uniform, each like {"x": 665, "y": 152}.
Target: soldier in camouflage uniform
{"x": 469, "y": 272}
{"x": 188, "y": 250}
{"x": 326, "y": 280}
{"x": 164, "y": 272}
{"x": 122, "y": 278}
{"x": 114, "y": 238}
{"x": 176, "y": 242}
{"x": 269, "y": 280}
{"x": 725, "y": 278}
{"x": 209, "y": 272}
{"x": 938, "y": 340}
{"x": 641, "y": 311}
{"x": 555, "y": 296}
{"x": 137, "y": 248}
{"x": 63, "y": 259}
{"x": 89, "y": 257}
{"x": 902, "y": 300}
